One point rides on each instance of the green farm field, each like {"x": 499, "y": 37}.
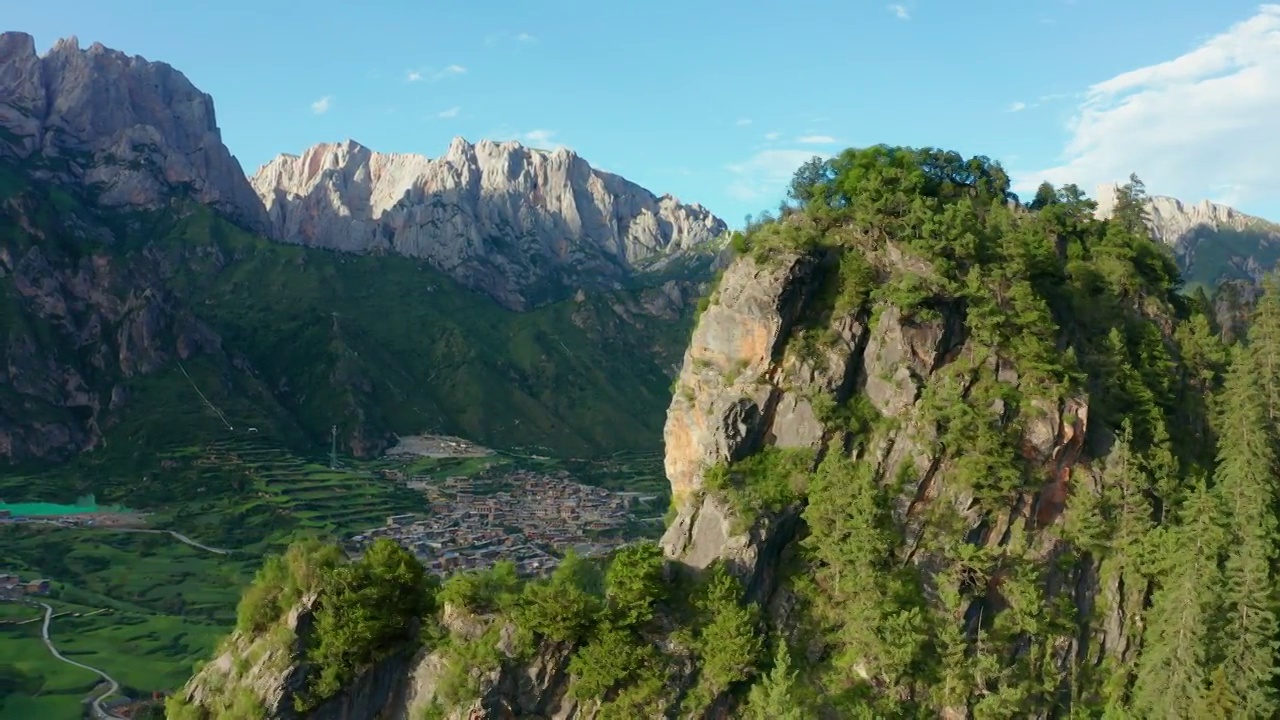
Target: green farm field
{"x": 144, "y": 607}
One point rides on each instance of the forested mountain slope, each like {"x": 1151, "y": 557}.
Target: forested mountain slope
{"x": 108, "y": 312}
{"x": 933, "y": 454}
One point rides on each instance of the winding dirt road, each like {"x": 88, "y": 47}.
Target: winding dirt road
{"x": 114, "y": 687}
{"x": 176, "y": 535}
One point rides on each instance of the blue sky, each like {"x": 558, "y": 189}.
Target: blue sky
{"x": 716, "y": 102}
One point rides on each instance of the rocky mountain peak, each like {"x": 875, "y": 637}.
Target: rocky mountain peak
{"x": 137, "y": 130}
{"x": 509, "y": 220}
{"x": 1238, "y": 245}
{"x": 1172, "y": 219}
{"x": 71, "y": 43}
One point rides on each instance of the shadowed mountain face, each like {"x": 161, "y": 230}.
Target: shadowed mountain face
{"x": 146, "y": 301}
{"x": 1212, "y": 242}
{"x": 521, "y": 225}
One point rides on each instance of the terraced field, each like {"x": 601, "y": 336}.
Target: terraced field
{"x": 167, "y": 604}
{"x": 279, "y": 495}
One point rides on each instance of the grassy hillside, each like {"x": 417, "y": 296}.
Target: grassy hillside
{"x": 399, "y": 345}
{"x": 312, "y": 339}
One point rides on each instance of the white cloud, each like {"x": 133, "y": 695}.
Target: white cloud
{"x": 450, "y": 113}
{"x": 1199, "y": 125}
{"x": 743, "y": 122}
{"x": 764, "y": 176}
{"x": 434, "y": 75}
{"x": 322, "y": 105}
{"x": 541, "y": 138}
{"x": 450, "y": 71}
{"x": 523, "y": 38}
{"x": 816, "y": 140}
{"x": 1017, "y": 106}
{"x": 899, "y": 11}
{"x": 771, "y": 136}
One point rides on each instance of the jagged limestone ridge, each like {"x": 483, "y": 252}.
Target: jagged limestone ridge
{"x": 511, "y": 221}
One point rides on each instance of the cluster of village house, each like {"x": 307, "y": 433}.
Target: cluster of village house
{"x": 13, "y": 587}
{"x": 530, "y": 519}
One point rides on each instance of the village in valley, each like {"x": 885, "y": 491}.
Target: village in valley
{"x": 528, "y": 517}
{"x": 15, "y": 589}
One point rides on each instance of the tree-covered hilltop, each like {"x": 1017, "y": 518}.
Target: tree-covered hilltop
{"x": 935, "y": 453}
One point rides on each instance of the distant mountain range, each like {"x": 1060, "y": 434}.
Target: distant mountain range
{"x": 508, "y": 220}
{"x": 513, "y": 295}
{"x": 1212, "y": 242}
{"x": 517, "y": 223}
{"x": 151, "y": 294}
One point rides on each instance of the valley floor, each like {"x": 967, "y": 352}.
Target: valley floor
{"x": 144, "y": 604}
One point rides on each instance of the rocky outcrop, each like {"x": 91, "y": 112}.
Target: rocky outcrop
{"x": 136, "y": 131}
{"x": 749, "y": 382}
{"x": 721, "y": 407}
{"x": 736, "y": 392}
{"x": 264, "y": 671}
{"x": 516, "y": 223}
{"x": 1212, "y": 242}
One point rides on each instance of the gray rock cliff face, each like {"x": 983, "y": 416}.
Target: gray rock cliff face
{"x": 513, "y": 222}
{"x": 745, "y": 386}
{"x": 136, "y": 130}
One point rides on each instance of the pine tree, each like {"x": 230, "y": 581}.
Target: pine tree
{"x": 777, "y": 695}
{"x": 1245, "y": 478}
{"x": 1131, "y": 206}
{"x": 1126, "y": 567}
{"x": 872, "y": 603}
{"x": 1173, "y": 671}
{"x": 1264, "y": 343}
{"x": 1204, "y": 359}
{"x": 1046, "y": 195}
